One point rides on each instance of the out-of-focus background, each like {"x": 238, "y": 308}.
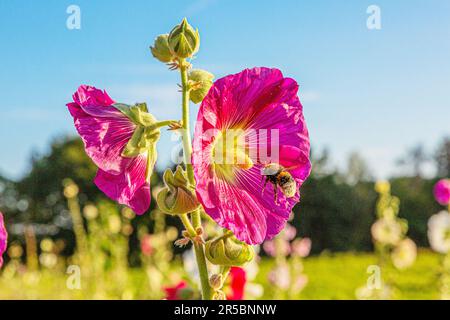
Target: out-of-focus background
{"x": 375, "y": 100}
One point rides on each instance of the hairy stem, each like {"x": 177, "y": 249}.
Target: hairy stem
{"x": 187, "y": 225}
{"x": 187, "y": 152}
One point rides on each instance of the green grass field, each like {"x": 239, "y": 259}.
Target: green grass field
{"x": 331, "y": 276}
{"x": 337, "y": 276}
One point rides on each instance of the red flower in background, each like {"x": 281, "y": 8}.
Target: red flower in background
{"x": 238, "y": 279}
{"x": 175, "y": 292}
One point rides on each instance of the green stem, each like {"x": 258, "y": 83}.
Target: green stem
{"x": 187, "y": 224}
{"x": 203, "y": 271}
{"x": 186, "y": 132}
{"x": 78, "y": 227}
{"x": 187, "y": 152}
{"x": 164, "y": 123}
{"x": 225, "y": 271}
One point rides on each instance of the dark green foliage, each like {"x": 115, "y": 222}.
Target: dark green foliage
{"x": 334, "y": 215}
{"x": 417, "y": 205}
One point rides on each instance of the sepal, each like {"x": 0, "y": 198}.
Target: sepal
{"x": 228, "y": 251}
{"x": 178, "y": 196}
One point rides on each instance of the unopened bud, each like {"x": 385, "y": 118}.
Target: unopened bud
{"x": 219, "y": 295}
{"x": 228, "y": 251}
{"x": 178, "y": 196}
{"x": 183, "y": 40}
{"x": 200, "y": 81}
{"x": 216, "y": 281}
{"x": 160, "y": 49}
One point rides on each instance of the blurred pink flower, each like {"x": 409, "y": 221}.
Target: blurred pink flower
{"x": 299, "y": 283}
{"x": 255, "y": 104}
{"x": 289, "y": 232}
{"x": 280, "y": 277}
{"x": 269, "y": 248}
{"x": 105, "y": 132}
{"x": 238, "y": 278}
{"x": 301, "y": 247}
{"x": 442, "y": 192}
{"x": 146, "y": 245}
{"x": 3, "y": 238}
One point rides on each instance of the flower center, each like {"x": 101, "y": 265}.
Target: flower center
{"x": 230, "y": 154}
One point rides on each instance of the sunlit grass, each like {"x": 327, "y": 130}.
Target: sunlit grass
{"x": 337, "y": 276}
{"x": 331, "y": 276}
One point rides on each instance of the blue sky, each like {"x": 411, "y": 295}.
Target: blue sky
{"x": 377, "y": 92}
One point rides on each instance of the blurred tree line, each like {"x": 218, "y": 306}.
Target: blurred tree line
{"x": 336, "y": 211}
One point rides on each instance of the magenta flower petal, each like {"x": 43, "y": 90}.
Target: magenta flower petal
{"x": 87, "y": 96}
{"x": 128, "y": 187}
{"x": 105, "y": 132}
{"x": 257, "y": 102}
{"x": 3, "y": 239}
{"x": 442, "y": 192}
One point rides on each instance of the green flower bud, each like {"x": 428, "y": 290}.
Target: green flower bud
{"x": 216, "y": 281}
{"x": 219, "y": 295}
{"x": 228, "y": 251}
{"x": 183, "y": 40}
{"x": 200, "y": 82}
{"x": 160, "y": 49}
{"x": 178, "y": 196}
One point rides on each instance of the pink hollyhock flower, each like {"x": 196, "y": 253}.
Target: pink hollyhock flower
{"x": 289, "y": 232}
{"x": 282, "y": 247}
{"x": 280, "y": 277}
{"x": 238, "y": 279}
{"x": 105, "y": 132}
{"x": 301, "y": 247}
{"x": 261, "y": 111}
{"x": 269, "y": 248}
{"x": 442, "y": 192}
{"x": 175, "y": 292}
{"x": 3, "y": 239}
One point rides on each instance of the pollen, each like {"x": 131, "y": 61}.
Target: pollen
{"x": 229, "y": 154}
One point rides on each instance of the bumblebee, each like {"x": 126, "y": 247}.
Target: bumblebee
{"x": 279, "y": 176}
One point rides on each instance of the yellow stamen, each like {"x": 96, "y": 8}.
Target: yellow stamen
{"x": 230, "y": 154}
